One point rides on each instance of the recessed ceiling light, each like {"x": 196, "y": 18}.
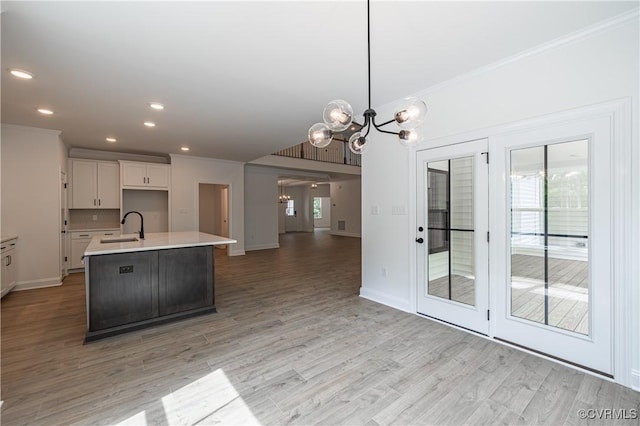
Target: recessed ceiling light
{"x": 184, "y": 148}
{"x": 21, "y": 74}
{"x": 156, "y": 105}
{"x": 149, "y": 124}
{"x": 45, "y": 111}
{"x": 111, "y": 139}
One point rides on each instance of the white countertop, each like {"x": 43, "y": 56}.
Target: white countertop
{"x": 155, "y": 241}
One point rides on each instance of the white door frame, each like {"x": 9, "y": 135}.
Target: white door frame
{"x": 625, "y": 216}
{"x": 472, "y": 317}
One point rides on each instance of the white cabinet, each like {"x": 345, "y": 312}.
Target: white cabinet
{"x": 8, "y": 269}
{"x": 79, "y": 242}
{"x": 95, "y": 184}
{"x": 145, "y": 175}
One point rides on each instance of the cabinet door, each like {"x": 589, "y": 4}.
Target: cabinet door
{"x": 123, "y": 289}
{"x": 185, "y": 279}
{"x": 158, "y": 175}
{"x": 78, "y": 246}
{"x": 84, "y": 184}
{"x": 108, "y": 185}
{"x": 4, "y": 287}
{"x": 134, "y": 174}
{"x": 11, "y": 270}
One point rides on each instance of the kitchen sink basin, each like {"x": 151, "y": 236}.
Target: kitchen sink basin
{"x": 119, "y": 240}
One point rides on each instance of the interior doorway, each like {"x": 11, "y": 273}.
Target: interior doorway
{"x": 213, "y": 210}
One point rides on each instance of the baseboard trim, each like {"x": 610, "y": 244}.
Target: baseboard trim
{"x": 34, "y": 284}
{"x": 262, "y": 247}
{"x": 236, "y": 253}
{"x": 385, "y": 299}
{"x": 635, "y": 380}
{"x": 345, "y": 234}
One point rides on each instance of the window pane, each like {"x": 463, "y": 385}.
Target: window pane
{"x": 549, "y": 235}
{"x": 317, "y": 208}
{"x": 451, "y": 236}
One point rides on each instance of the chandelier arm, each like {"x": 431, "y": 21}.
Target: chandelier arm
{"x": 384, "y": 124}
{"x": 377, "y": 126}
{"x": 368, "y": 129}
{"x": 388, "y": 132}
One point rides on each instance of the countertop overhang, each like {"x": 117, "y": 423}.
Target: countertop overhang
{"x": 155, "y": 241}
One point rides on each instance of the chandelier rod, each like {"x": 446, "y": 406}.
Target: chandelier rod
{"x": 369, "y": 52}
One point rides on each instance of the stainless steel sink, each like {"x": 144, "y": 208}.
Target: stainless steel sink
{"x": 119, "y": 240}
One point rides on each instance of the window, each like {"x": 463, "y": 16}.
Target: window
{"x": 317, "y": 208}
{"x": 290, "y": 210}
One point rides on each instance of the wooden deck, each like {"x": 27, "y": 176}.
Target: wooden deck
{"x": 568, "y": 291}
{"x": 292, "y": 343}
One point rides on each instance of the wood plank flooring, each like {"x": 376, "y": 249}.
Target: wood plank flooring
{"x": 292, "y": 343}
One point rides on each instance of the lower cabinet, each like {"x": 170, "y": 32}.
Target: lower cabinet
{"x": 185, "y": 279}
{"x": 123, "y": 289}
{"x": 133, "y": 290}
{"x": 8, "y": 267}
{"x": 79, "y": 242}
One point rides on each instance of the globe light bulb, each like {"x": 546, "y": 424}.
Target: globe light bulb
{"x": 409, "y": 137}
{"x": 338, "y": 115}
{"x": 357, "y": 143}
{"x": 320, "y": 135}
{"x": 410, "y": 113}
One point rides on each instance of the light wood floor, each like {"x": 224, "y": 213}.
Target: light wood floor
{"x": 292, "y": 343}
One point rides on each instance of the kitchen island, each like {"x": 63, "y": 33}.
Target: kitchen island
{"x": 132, "y": 283}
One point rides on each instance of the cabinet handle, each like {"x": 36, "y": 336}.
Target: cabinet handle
{"x": 110, "y": 233}
{"x": 99, "y": 201}
{"x": 9, "y": 260}
{"x": 3, "y": 248}
{"x": 94, "y": 201}
{"x": 84, "y": 235}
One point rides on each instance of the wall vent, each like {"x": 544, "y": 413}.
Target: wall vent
{"x": 342, "y": 225}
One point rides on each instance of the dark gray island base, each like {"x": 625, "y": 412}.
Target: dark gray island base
{"x": 131, "y": 290}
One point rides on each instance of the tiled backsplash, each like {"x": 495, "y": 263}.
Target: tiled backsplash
{"x": 84, "y": 218}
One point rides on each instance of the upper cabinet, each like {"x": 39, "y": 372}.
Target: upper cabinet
{"x": 145, "y": 175}
{"x": 95, "y": 184}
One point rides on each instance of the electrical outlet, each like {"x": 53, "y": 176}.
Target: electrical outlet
{"x": 95, "y": 217}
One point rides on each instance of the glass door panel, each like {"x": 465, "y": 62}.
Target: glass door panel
{"x": 450, "y": 207}
{"x": 549, "y": 234}
{"x": 551, "y": 240}
{"x": 452, "y": 181}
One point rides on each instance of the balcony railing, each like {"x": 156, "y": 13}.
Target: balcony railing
{"x": 337, "y": 152}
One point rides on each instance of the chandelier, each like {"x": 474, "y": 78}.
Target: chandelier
{"x": 282, "y": 197}
{"x": 338, "y": 116}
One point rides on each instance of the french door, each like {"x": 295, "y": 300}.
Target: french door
{"x": 549, "y": 195}
{"x": 452, "y": 252}
{"x": 552, "y": 252}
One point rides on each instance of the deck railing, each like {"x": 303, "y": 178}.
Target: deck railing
{"x": 337, "y": 152}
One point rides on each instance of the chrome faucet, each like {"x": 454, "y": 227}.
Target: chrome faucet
{"x": 141, "y": 222}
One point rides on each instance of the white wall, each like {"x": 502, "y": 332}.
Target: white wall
{"x": 31, "y": 162}
{"x": 186, "y": 174}
{"x": 154, "y": 206}
{"x": 346, "y": 206}
{"x": 261, "y": 208}
{"x": 597, "y": 67}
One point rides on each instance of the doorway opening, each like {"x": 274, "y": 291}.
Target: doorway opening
{"x": 213, "y": 210}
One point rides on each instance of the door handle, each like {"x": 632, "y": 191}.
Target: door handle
{"x": 420, "y": 240}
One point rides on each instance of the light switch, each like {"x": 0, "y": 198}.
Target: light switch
{"x": 375, "y": 210}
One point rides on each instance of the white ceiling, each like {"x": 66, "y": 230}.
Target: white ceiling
{"x": 239, "y": 79}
